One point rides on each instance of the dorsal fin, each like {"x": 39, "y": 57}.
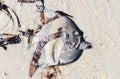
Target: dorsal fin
{"x": 63, "y": 14}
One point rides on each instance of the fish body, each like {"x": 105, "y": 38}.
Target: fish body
{"x": 65, "y": 49}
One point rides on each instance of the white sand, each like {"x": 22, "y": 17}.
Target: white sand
{"x": 99, "y": 19}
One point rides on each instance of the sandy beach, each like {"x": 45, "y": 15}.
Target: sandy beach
{"x": 98, "y": 19}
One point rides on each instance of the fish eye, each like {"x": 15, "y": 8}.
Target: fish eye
{"x": 76, "y": 33}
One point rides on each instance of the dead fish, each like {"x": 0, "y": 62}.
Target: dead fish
{"x": 65, "y": 49}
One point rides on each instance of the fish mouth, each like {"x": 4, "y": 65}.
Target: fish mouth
{"x": 85, "y": 45}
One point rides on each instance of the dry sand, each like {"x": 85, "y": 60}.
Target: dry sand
{"x": 99, "y": 19}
